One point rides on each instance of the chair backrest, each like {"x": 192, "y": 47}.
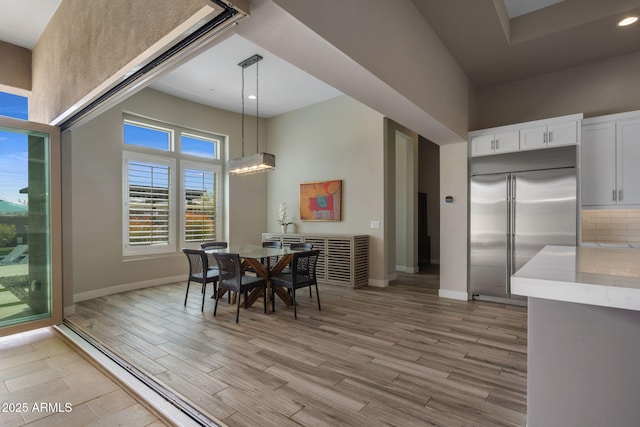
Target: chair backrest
{"x": 304, "y": 246}
{"x": 198, "y": 261}
{"x": 213, "y": 245}
{"x": 230, "y": 268}
{"x": 275, "y": 244}
{"x": 306, "y": 262}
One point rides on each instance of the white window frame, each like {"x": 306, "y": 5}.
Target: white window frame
{"x": 177, "y": 162}
{"x": 127, "y": 157}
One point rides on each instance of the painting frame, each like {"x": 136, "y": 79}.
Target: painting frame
{"x": 321, "y": 201}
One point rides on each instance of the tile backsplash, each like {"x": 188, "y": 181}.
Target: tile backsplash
{"x": 611, "y": 226}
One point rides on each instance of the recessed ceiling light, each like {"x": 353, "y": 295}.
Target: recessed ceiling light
{"x": 252, "y": 97}
{"x": 627, "y": 21}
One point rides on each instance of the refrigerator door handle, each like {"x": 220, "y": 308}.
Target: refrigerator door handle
{"x": 512, "y": 261}
{"x": 507, "y": 282}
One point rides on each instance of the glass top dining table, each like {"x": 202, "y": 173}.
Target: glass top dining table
{"x": 253, "y": 251}
{"x": 253, "y": 256}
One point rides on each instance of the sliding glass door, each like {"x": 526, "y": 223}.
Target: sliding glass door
{"x": 30, "y": 264}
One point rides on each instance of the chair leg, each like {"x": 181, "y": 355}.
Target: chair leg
{"x": 310, "y": 292}
{"x": 264, "y": 299}
{"x": 295, "y": 310}
{"x": 204, "y": 291}
{"x": 246, "y": 300}
{"x": 215, "y": 307}
{"x": 273, "y": 298}
{"x": 187, "y": 293}
{"x": 317, "y": 296}
{"x": 238, "y": 309}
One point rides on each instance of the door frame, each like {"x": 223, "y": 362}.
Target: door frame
{"x": 55, "y": 226}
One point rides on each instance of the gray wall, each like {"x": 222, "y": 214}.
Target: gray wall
{"x": 603, "y": 87}
{"x": 336, "y": 139}
{"x": 15, "y": 69}
{"x": 93, "y": 196}
{"x": 84, "y": 48}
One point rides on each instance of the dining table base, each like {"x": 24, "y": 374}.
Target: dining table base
{"x": 266, "y": 272}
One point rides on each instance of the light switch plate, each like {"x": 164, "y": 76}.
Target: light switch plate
{"x": 375, "y": 224}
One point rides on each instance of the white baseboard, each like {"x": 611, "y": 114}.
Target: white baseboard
{"x": 405, "y": 269}
{"x": 69, "y": 311}
{"x": 83, "y": 296}
{"x": 462, "y": 296}
{"x": 378, "y": 283}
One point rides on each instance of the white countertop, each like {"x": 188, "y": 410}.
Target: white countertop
{"x": 606, "y": 277}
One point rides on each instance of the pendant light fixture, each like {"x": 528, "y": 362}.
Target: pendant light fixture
{"x": 259, "y": 162}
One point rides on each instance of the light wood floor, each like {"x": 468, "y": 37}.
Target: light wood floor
{"x": 374, "y": 356}
{"x": 39, "y": 368}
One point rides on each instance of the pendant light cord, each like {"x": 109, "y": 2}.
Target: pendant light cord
{"x": 242, "y": 96}
{"x": 257, "y": 111}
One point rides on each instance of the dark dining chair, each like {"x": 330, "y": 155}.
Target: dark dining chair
{"x": 200, "y": 272}
{"x": 232, "y": 279}
{"x": 274, "y": 259}
{"x": 212, "y": 260}
{"x": 303, "y": 246}
{"x": 214, "y": 245}
{"x": 297, "y": 279}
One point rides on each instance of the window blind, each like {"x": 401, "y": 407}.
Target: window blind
{"x": 200, "y": 223}
{"x": 148, "y": 204}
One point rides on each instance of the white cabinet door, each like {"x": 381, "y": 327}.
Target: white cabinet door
{"x": 598, "y": 158}
{"x": 552, "y": 135}
{"x": 506, "y": 142}
{"x": 628, "y": 146}
{"x": 533, "y": 138}
{"x": 565, "y": 133}
{"x": 482, "y": 145}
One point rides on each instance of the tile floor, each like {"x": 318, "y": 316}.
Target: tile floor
{"x": 45, "y": 382}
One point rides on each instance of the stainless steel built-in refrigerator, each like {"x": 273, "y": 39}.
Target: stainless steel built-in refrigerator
{"x": 518, "y": 204}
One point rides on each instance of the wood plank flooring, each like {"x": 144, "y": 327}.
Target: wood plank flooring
{"x": 373, "y": 356}
{"x": 38, "y": 368}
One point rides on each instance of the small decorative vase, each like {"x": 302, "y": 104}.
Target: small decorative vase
{"x": 284, "y": 228}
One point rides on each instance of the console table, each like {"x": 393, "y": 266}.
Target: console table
{"x": 344, "y": 258}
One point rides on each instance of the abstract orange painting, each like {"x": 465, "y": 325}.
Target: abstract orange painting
{"x": 321, "y": 201}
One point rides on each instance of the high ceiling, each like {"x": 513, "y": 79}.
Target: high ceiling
{"x": 494, "y": 41}
{"x": 214, "y": 78}
{"x": 493, "y": 49}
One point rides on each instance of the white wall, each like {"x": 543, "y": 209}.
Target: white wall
{"x": 336, "y": 139}
{"x": 453, "y": 221}
{"x": 93, "y": 167}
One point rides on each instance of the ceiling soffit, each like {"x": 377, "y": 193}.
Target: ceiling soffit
{"x": 493, "y": 49}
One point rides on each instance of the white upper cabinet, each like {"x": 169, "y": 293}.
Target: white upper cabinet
{"x": 598, "y": 155}
{"x": 495, "y": 143}
{"x": 628, "y": 162}
{"x": 551, "y": 135}
{"x": 610, "y": 172}
{"x": 534, "y": 135}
